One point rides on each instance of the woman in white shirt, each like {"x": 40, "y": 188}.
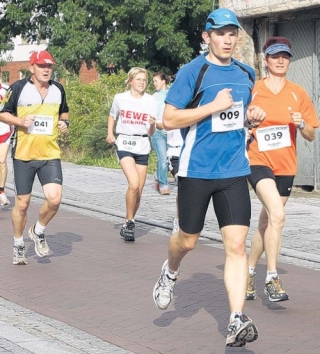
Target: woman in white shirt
{"x": 135, "y": 112}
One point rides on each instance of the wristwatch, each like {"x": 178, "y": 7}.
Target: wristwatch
{"x": 302, "y": 124}
{"x": 67, "y": 121}
{"x": 251, "y": 124}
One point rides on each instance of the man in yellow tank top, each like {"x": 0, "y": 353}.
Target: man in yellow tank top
{"x": 38, "y": 110}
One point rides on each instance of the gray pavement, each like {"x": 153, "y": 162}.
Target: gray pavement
{"x": 99, "y": 193}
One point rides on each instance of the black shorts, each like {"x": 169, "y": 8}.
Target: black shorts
{"x": 284, "y": 183}
{"x": 173, "y": 164}
{"x": 139, "y": 159}
{"x": 230, "y": 197}
{"x": 48, "y": 171}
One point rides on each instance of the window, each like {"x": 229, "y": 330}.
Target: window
{"x": 5, "y": 77}
{"x": 24, "y": 73}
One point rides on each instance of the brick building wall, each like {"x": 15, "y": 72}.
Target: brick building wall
{"x": 88, "y": 75}
{"x": 16, "y": 68}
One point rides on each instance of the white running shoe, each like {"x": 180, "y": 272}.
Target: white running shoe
{"x": 4, "y": 200}
{"x": 40, "y": 244}
{"x": 240, "y": 331}
{"x": 163, "y": 290}
{"x": 19, "y": 255}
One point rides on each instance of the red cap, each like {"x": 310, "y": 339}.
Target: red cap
{"x": 41, "y": 57}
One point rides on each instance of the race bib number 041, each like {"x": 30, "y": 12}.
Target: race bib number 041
{"x": 275, "y": 137}
{"x": 42, "y": 125}
{"x": 228, "y": 120}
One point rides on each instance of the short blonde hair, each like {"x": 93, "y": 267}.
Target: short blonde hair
{"x": 132, "y": 74}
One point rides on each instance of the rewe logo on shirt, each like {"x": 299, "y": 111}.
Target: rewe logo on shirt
{"x": 133, "y": 115}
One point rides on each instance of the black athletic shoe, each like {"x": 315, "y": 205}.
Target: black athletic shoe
{"x": 127, "y": 231}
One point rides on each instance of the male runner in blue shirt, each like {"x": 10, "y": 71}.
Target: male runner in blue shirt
{"x": 210, "y": 102}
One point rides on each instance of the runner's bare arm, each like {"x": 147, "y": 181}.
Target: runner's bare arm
{"x": 110, "y": 139}
{"x": 152, "y": 128}
{"x": 307, "y": 131}
{"x": 174, "y": 118}
{"x": 9, "y": 118}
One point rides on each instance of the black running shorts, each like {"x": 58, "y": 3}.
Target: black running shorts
{"x": 230, "y": 197}
{"x": 48, "y": 171}
{"x": 284, "y": 183}
{"x": 139, "y": 159}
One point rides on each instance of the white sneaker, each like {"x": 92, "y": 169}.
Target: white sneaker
{"x": 19, "y": 255}
{"x": 163, "y": 290}
{"x": 175, "y": 225}
{"x": 40, "y": 244}
{"x": 4, "y": 200}
{"x": 240, "y": 331}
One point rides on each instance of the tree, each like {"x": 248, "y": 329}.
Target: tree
{"x": 158, "y": 35}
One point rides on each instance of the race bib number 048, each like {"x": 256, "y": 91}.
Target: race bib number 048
{"x": 228, "y": 120}
{"x": 275, "y": 137}
{"x": 134, "y": 144}
{"x": 42, "y": 125}
{"x": 129, "y": 143}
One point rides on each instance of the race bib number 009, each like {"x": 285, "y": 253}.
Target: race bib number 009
{"x": 42, "y": 125}
{"x": 275, "y": 137}
{"x": 228, "y": 120}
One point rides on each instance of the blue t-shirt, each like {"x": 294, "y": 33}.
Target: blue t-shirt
{"x": 207, "y": 154}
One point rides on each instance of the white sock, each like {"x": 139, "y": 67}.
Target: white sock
{"x": 171, "y": 274}
{"x": 18, "y": 241}
{"x": 270, "y": 275}
{"x": 127, "y": 221}
{"x": 39, "y": 229}
{"x": 252, "y": 270}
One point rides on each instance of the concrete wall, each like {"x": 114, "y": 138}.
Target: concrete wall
{"x": 249, "y": 8}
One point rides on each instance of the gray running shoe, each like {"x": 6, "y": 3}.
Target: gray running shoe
{"x": 273, "y": 289}
{"x": 40, "y": 244}
{"x": 240, "y": 331}
{"x": 251, "y": 288}
{"x": 163, "y": 290}
{"x": 19, "y": 255}
{"x": 127, "y": 231}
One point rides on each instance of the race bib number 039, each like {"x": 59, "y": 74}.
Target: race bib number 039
{"x": 42, "y": 125}
{"x": 275, "y": 137}
{"x": 228, "y": 120}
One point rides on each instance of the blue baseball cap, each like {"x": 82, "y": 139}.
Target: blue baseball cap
{"x": 277, "y": 48}
{"x": 220, "y": 18}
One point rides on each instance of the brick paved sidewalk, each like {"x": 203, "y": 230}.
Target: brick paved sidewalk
{"x": 97, "y": 283}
